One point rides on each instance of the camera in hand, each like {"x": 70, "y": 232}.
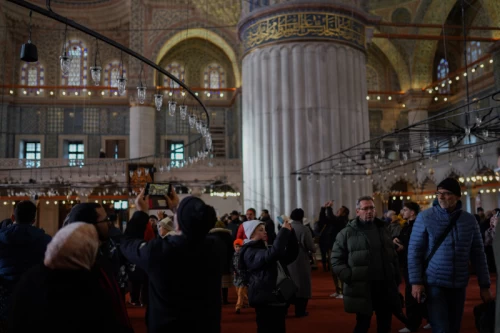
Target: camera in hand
{"x": 157, "y": 193}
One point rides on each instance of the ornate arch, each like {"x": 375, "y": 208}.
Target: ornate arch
{"x": 492, "y": 9}
{"x": 396, "y": 60}
{"x": 203, "y": 34}
{"x": 425, "y": 50}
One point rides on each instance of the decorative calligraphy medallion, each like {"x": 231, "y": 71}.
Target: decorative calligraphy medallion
{"x": 304, "y": 25}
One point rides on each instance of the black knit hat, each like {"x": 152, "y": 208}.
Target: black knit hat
{"x": 451, "y": 185}
{"x": 297, "y": 214}
{"x": 195, "y": 218}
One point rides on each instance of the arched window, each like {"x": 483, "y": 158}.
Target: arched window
{"x": 79, "y": 67}
{"x": 372, "y": 79}
{"x": 443, "y": 70}
{"x": 474, "y": 51}
{"x": 112, "y": 72}
{"x": 214, "y": 77}
{"x": 177, "y": 70}
{"x": 33, "y": 74}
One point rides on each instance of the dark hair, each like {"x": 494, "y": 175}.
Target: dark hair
{"x": 265, "y": 211}
{"x": 84, "y": 212}
{"x": 25, "y": 212}
{"x": 412, "y": 206}
{"x": 153, "y": 217}
{"x": 346, "y": 210}
{"x": 363, "y": 198}
{"x": 253, "y": 210}
{"x": 480, "y": 209}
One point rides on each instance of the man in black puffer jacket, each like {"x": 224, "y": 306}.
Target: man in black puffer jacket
{"x": 184, "y": 270}
{"x": 363, "y": 257}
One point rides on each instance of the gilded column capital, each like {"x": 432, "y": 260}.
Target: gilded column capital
{"x": 306, "y": 22}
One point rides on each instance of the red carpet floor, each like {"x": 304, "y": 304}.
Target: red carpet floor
{"x": 325, "y": 314}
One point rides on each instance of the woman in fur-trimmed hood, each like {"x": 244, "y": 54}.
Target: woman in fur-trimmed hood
{"x": 225, "y": 238}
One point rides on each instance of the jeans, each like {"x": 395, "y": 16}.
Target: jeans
{"x": 446, "y": 307}
{"x": 382, "y": 309}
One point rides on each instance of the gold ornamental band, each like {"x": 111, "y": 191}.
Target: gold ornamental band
{"x": 305, "y": 25}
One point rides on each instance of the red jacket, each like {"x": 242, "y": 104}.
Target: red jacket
{"x": 241, "y": 233}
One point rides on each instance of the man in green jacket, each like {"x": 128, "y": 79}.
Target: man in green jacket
{"x": 363, "y": 257}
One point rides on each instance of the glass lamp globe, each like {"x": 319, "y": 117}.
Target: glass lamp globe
{"x": 208, "y": 142}
{"x": 199, "y": 124}
{"x": 172, "y": 105}
{"x": 141, "y": 94}
{"x": 158, "y": 101}
{"x": 95, "y": 73}
{"x": 183, "y": 111}
{"x": 122, "y": 85}
{"x": 203, "y": 130}
{"x": 65, "y": 64}
{"x": 192, "y": 120}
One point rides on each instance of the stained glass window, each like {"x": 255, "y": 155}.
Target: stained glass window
{"x": 112, "y": 72}
{"x": 474, "y": 51}
{"x": 178, "y": 71}
{"x": 214, "y": 77}
{"x": 78, "y": 53}
{"x": 33, "y": 74}
{"x": 442, "y": 73}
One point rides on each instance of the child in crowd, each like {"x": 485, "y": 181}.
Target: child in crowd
{"x": 239, "y": 281}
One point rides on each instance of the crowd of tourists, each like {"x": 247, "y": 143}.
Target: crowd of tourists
{"x": 176, "y": 265}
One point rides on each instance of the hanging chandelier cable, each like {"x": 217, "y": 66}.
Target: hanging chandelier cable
{"x": 77, "y": 26}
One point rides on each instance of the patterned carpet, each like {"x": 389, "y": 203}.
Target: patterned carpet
{"x": 325, "y": 314}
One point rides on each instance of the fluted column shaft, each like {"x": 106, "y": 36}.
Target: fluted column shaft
{"x": 142, "y": 131}
{"x": 305, "y": 104}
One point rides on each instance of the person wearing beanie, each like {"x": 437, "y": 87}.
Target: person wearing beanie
{"x": 446, "y": 273}
{"x": 300, "y": 269}
{"x": 175, "y": 304}
{"x": 260, "y": 266}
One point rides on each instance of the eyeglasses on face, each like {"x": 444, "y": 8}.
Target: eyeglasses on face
{"x": 369, "y": 208}
{"x": 106, "y": 220}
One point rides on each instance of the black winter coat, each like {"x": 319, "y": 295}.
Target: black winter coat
{"x": 329, "y": 226}
{"x": 22, "y": 246}
{"x": 350, "y": 261}
{"x": 260, "y": 265}
{"x": 184, "y": 279}
{"x": 227, "y": 250}
{"x": 47, "y": 300}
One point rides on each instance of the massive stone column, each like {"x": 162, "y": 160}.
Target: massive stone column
{"x": 142, "y": 131}
{"x": 304, "y": 98}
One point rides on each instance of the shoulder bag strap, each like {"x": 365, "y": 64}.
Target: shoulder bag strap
{"x": 440, "y": 240}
